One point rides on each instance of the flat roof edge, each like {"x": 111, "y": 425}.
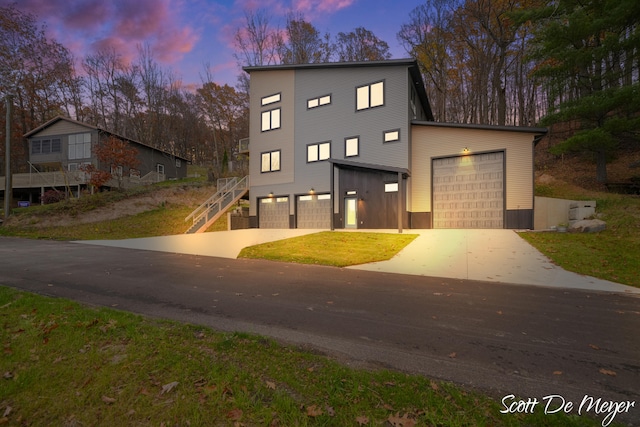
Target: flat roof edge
{"x": 525, "y": 129}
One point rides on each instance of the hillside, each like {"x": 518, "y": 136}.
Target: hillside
{"x": 147, "y": 211}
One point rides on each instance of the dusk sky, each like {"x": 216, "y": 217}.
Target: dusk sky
{"x": 186, "y": 34}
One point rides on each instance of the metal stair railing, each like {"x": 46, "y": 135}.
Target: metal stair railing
{"x": 230, "y": 190}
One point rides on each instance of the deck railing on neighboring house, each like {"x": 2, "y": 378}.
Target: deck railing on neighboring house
{"x": 230, "y": 190}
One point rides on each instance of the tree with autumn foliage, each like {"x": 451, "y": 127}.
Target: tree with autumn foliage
{"x": 116, "y": 155}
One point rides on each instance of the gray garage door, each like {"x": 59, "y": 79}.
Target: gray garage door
{"x": 274, "y": 212}
{"x": 314, "y": 211}
{"x": 468, "y": 191}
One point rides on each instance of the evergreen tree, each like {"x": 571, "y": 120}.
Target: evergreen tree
{"x": 588, "y": 54}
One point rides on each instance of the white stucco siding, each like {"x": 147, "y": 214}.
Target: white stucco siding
{"x": 429, "y": 142}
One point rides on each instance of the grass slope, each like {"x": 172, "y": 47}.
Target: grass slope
{"x": 68, "y": 365}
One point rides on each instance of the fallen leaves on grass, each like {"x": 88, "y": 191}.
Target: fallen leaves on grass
{"x": 108, "y": 400}
{"x": 362, "y": 420}
{"x": 314, "y": 411}
{"x": 401, "y": 421}
{"x": 168, "y": 387}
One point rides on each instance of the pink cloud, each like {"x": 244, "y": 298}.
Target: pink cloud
{"x": 86, "y": 26}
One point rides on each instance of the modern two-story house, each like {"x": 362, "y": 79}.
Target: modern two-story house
{"x": 354, "y": 145}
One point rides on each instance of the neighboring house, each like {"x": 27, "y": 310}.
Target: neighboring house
{"x": 59, "y": 148}
{"x": 354, "y": 145}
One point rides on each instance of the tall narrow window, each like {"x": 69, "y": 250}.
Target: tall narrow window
{"x": 271, "y": 120}
{"x": 370, "y": 96}
{"x": 351, "y": 146}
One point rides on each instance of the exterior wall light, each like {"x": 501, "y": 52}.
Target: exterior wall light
{"x": 465, "y": 150}
{"x": 312, "y": 191}
{"x": 271, "y": 194}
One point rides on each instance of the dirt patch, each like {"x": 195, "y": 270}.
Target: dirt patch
{"x": 188, "y": 196}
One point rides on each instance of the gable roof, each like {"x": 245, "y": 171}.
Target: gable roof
{"x": 96, "y": 128}
{"x": 410, "y": 64}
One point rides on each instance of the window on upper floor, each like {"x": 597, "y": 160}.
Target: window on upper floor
{"x": 80, "y": 146}
{"x": 270, "y": 120}
{"x": 318, "y": 152}
{"x": 318, "y": 102}
{"x": 270, "y": 99}
{"x": 270, "y": 161}
{"x": 370, "y": 96}
{"x": 391, "y": 135}
{"x": 46, "y": 146}
{"x": 351, "y": 146}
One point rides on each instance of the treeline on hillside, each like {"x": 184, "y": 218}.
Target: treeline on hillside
{"x": 502, "y": 62}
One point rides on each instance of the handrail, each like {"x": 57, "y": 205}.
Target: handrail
{"x": 224, "y": 185}
{"x": 224, "y": 197}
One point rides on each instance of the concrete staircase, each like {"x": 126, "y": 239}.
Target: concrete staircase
{"x": 230, "y": 190}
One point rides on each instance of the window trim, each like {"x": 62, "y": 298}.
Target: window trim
{"x": 319, "y": 101}
{"x": 270, "y": 153}
{"x": 317, "y": 146}
{"x": 388, "y": 132}
{"x": 271, "y": 125}
{"x": 346, "y": 140}
{"x": 266, "y": 101}
{"x": 369, "y": 93}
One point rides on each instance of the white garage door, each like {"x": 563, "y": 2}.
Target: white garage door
{"x": 314, "y": 211}
{"x": 468, "y": 191}
{"x": 274, "y": 212}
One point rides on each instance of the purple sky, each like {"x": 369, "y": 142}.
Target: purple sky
{"x": 186, "y": 34}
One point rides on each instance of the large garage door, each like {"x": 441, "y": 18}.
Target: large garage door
{"x": 314, "y": 211}
{"x": 468, "y": 191}
{"x": 274, "y": 212}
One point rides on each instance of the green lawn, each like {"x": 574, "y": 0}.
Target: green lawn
{"x": 613, "y": 254}
{"x": 339, "y": 249}
{"x": 64, "y": 364}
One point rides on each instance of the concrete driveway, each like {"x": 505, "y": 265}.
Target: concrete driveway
{"x": 486, "y": 255}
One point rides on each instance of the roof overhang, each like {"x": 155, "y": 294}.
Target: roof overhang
{"x": 538, "y": 133}
{"x": 348, "y": 164}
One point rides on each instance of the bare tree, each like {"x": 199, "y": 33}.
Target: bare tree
{"x": 302, "y": 43}
{"x": 361, "y": 45}
{"x": 256, "y": 43}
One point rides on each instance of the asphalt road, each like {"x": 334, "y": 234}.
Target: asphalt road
{"x": 498, "y": 338}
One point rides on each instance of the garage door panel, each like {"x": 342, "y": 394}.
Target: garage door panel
{"x": 468, "y": 191}
{"x": 314, "y": 212}
{"x": 274, "y": 212}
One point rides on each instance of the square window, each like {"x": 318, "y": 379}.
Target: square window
{"x": 370, "y": 96}
{"x": 270, "y": 161}
{"x": 391, "y": 187}
{"x": 351, "y": 146}
{"x": 317, "y": 152}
